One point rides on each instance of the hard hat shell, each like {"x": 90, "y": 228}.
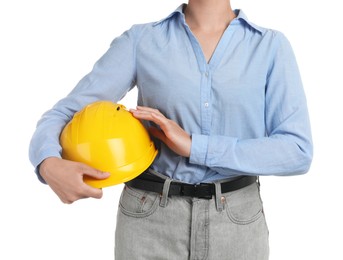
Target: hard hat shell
{"x": 106, "y": 136}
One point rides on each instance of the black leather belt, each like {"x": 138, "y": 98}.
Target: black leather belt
{"x": 153, "y": 183}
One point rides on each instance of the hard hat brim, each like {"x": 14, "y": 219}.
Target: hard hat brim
{"x": 125, "y": 173}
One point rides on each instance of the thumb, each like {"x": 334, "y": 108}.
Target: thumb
{"x": 157, "y": 133}
{"x": 94, "y": 173}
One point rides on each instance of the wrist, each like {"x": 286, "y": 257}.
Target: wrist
{"x": 44, "y": 165}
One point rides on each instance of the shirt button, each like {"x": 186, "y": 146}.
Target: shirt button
{"x": 206, "y": 104}
{"x": 206, "y": 74}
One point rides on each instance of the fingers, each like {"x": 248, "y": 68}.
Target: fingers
{"x": 174, "y": 136}
{"x": 150, "y": 114}
{"x": 148, "y": 109}
{"x": 65, "y": 178}
{"x": 94, "y": 173}
{"x": 147, "y": 112}
{"x": 91, "y": 192}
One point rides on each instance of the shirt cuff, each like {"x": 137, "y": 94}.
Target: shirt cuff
{"x": 39, "y": 159}
{"x": 40, "y": 178}
{"x": 199, "y": 149}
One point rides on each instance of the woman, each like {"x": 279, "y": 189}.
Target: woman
{"x": 226, "y": 105}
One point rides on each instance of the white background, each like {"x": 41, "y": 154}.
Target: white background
{"x": 45, "y": 49}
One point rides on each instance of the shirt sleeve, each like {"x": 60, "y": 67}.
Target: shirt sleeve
{"x": 286, "y": 149}
{"x": 112, "y": 76}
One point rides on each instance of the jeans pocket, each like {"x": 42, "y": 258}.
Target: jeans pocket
{"x": 244, "y": 206}
{"x": 138, "y": 203}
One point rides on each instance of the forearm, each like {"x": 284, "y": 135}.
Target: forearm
{"x": 276, "y": 155}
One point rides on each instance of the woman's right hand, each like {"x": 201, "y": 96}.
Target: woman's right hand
{"x": 65, "y": 178}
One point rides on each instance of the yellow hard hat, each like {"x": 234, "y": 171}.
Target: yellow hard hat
{"x": 106, "y": 136}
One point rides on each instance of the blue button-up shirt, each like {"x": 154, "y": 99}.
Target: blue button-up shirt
{"x": 245, "y": 109}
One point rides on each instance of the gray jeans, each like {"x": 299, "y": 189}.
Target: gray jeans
{"x": 230, "y": 226}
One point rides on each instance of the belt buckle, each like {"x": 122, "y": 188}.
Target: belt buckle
{"x": 203, "y": 191}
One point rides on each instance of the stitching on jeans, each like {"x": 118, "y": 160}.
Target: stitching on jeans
{"x": 238, "y": 221}
{"x": 207, "y": 223}
{"x": 139, "y": 196}
{"x": 134, "y": 193}
{"x": 143, "y": 214}
{"x": 243, "y": 222}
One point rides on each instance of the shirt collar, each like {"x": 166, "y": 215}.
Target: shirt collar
{"x": 239, "y": 13}
{"x": 178, "y": 10}
{"x": 242, "y": 17}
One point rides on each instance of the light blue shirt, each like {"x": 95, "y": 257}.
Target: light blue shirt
{"x": 245, "y": 109}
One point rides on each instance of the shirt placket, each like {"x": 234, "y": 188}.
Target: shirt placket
{"x": 206, "y": 101}
{"x": 206, "y": 70}
{"x": 205, "y": 83}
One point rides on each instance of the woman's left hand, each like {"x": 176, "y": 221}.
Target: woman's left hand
{"x": 171, "y": 133}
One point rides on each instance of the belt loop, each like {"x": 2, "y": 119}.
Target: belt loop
{"x": 219, "y": 198}
{"x": 165, "y": 191}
